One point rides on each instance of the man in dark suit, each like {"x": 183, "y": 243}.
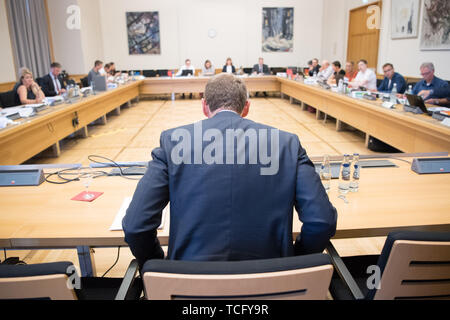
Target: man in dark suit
{"x": 232, "y": 185}
{"x": 261, "y": 69}
{"x": 390, "y": 78}
{"x": 52, "y": 84}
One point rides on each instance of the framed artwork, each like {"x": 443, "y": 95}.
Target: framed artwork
{"x": 435, "y": 33}
{"x": 405, "y": 19}
{"x": 278, "y": 30}
{"x": 143, "y": 33}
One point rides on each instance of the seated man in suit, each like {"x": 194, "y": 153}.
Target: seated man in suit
{"x": 232, "y": 185}
{"x": 261, "y": 69}
{"x": 391, "y": 77}
{"x": 52, "y": 84}
{"x": 315, "y": 67}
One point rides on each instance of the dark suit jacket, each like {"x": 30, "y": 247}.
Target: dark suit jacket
{"x": 398, "y": 79}
{"x": 224, "y": 69}
{"x": 48, "y": 87}
{"x": 266, "y": 69}
{"x": 316, "y": 69}
{"x": 229, "y": 211}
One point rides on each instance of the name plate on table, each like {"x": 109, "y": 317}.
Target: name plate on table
{"x": 388, "y": 105}
{"x": 21, "y": 178}
{"x": 431, "y": 165}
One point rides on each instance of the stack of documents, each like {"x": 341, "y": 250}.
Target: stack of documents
{"x": 117, "y": 223}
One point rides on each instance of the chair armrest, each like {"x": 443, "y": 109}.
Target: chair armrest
{"x": 343, "y": 272}
{"x": 128, "y": 280}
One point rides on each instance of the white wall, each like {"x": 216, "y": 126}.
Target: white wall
{"x": 184, "y": 25}
{"x": 405, "y": 54}
{"x": 7, "y": 74}
{"x": 67, "y": 46}
{"x": 91, "y": 33}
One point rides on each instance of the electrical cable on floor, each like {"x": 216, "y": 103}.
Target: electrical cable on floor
{"x": 117, "y": 259}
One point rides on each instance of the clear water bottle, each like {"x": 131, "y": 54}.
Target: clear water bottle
{"x": 93, "y": 87}
{"x": 344, "y": 183}
{"x": 394, "y": 94}
{"x": 315, "y": 75}
{"x": 409, "y": 91}
{"x": 341, "y": 86}
{"x": 354, "y": 185}
{"x": 325, "y": 173}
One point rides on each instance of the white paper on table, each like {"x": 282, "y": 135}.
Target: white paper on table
{"x": 446, "y": 122}
{"x": 26, "y": 112}
{"x": 117, "y": 223}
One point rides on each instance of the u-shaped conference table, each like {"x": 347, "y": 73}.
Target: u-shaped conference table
{"x": 389, "y": 199}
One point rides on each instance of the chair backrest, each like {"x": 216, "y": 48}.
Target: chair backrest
{"x": 277, "y": 70}
{"x": 303, "y": 277}
{"x": 39, "y": 281}
{"x": 379, "y": 81}
{"x": 84, "y": 82}
{"x": 39, "y": 81}
{"x": 417, "y": 267}
{"x": 149, "y": 73}
{"x": 9, "y": 99}
{"x": 248, "y": 70}
{"x": 162, "y": 72}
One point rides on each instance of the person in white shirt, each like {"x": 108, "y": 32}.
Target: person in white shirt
{"x": 365, "y": 78}
{"x": 326, "y": 71}
{"x": 187, "y": 66}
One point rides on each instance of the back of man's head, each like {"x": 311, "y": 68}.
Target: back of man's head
{"x": 226, "y": 91}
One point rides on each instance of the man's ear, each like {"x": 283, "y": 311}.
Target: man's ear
{"x": 205, "y": 108}
{"x": 246, "y": 109}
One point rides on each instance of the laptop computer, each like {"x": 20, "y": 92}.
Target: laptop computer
{"x": 417, "y": 101}
{"x": 185, "y": 73}
{"x": 100, "y": 83}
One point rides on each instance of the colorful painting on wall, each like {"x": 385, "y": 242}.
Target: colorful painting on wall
{"x": 278, "y": 30}
{"x": 143, "y": 33}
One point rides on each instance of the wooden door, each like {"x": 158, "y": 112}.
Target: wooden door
{"x": 362, "y": 41}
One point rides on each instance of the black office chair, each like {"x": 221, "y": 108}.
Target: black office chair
{"x": 411, "y": 84}
{"x": 56, "y": 281}
{"x": 248, "y": 70}
{"x": 84, "y": 82}
{"x": 412, "y": 265}
{"x": 149, "y": 73}
{"x": 9, "y": 99}
{"x": 379, "y": 81}
{"x": 302, "y": 277}
{"x": 274, "y": 71}
{"x": 39, "y": 81}
{"x": 162, "y": 73}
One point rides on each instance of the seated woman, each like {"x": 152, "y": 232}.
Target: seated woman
{"x": 208, "y": 69}
{"x": 27, "y": 90}
{"x": 228, "y": 67}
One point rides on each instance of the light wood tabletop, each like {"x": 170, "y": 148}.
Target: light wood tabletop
{"x": 388, "y": 199}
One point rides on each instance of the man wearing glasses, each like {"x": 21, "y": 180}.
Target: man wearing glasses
{"x": 429, "y": 82}
{"x": 391, "y": 77}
